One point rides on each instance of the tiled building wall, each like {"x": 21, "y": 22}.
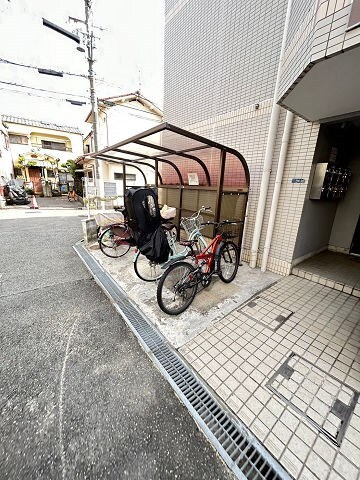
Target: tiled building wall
{"x": 317, "y": 30}
{"x": 292, "y": 195}
{"x": 220, "y": 56}
{"x": 299, "y": 44}
{"x": 330, "y": 28}
{"x": 221, "y": 60}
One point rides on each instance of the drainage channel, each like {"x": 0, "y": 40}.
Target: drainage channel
{"x": 240, "y": 450}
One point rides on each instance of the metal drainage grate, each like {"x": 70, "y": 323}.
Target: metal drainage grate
{"x": 266, "y": 312}
{"x": 241, "y": 451}
{"x": 321, "y": 398}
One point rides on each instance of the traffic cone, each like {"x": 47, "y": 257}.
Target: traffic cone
{"x": 34, "y": 202}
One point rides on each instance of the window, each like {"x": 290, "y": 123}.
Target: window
{"x": 130, "y": 177}
{"x": 110, "y": 189}
{"x": 22, "y": 139}
{"x": 53, "y": 145}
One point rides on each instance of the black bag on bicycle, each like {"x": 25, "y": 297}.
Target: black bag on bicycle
{"x": 155, "y": 246}
{"x": 143, "y": 211}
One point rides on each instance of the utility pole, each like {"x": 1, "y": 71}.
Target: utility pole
{"x": 89, "y": 25}
{"x": 90, "y": 52}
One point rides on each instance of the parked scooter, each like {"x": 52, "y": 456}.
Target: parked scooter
{"x": 15, "y": 193}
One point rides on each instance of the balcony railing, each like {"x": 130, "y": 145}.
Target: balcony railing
{"x": 39, "y": 145}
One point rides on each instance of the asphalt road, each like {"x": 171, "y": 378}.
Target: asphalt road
{"x": 79, "y": 398}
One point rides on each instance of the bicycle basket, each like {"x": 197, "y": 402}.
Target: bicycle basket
{"x": 105, "y": 219}
{"x": 192, "y": 223}
{"x": 229, "y": 230}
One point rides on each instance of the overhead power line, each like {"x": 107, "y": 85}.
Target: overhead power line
{"x": 98, "y": 80}
{"x": 44, "y": 89}
{"x": 9, "y": 62}
{"x": 59, "y": 99}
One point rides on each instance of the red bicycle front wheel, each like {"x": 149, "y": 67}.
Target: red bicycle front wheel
{"x": 177, "y": 288}
{"x": 228, "y": 262}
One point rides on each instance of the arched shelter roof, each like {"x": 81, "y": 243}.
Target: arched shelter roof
{"x": 182, "y": 152}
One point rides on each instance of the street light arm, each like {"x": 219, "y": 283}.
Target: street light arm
{"x": 61, "y": 30}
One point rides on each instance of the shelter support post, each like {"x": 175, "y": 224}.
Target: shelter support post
{"x": 181, "y": 189}
{"x": 156, "y": 173}
{"x": 124, "y": 181}
{"x": 220, "y": 186}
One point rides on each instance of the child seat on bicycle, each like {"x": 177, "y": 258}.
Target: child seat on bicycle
{"x": 145, "y": 221}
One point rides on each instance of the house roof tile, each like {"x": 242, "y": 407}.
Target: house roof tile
{"x": 39, "y": 123}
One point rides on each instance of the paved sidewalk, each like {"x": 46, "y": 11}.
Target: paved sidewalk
{"x": 285, "y": 361}
{"x": 239, "y": 354}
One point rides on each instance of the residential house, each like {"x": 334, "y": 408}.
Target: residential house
{"x": 119, "y": 117}
{"x": 39, "y": 149}
{"x": 278, "y": 82}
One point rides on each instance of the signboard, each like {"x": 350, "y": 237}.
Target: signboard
{"x": 193, "y": 179}
{"x": 298, "y": 180}
{"x": 91, "y": 190}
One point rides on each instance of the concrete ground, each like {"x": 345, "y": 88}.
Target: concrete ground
{"x": 79, "y": 397}
{"x": 210, "y": 304}
{"x": 284, "y": 357}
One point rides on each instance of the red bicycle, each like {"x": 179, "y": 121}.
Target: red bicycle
{"x": 179, "y": 284}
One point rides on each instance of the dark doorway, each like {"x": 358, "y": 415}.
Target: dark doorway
{"x": 355, "y": 244}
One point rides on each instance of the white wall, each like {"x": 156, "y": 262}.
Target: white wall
{"x": 6, "y": 166}
{"x": 315, "y": 227}
{"x": 348, "y": 211}
{"x": 120, "y": 123}
{"x": 124, "y": 121}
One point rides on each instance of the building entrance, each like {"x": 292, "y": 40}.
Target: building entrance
{"x": 355, "y": 245}
{"x": 328, "y": 236}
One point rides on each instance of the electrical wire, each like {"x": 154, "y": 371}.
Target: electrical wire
{"x": 3, "y": 60}
{"x": 101, "y": 80}
{"x": 43, "y": 89}
{"x": 34, "y": 95}
{"x": 98, "y": 80}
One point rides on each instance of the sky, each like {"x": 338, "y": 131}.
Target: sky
{"x": 128, "y": 54}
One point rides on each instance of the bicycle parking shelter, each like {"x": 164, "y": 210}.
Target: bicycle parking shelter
{"x": 190, "y": 171}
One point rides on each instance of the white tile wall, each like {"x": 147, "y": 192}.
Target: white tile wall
{"x": 318, "y": 29}
{"x": 221, "y": 59}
